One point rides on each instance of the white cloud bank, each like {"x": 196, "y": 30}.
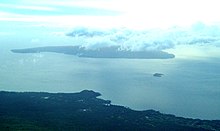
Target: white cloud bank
{"x": 198, "y": 34}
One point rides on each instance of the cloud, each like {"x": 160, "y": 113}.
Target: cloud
{"x": 133, "y": 13}
{"x": 56, "y": 15}
{"x": 27, "y": 7}
{"x": 157, "y": 39}
{"x": 87, "y": 32}
{"x": 44, "y": 8}
{"x": 125, "y": 38}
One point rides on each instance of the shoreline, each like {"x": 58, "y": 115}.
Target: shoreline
{"x": 86, "y": 108}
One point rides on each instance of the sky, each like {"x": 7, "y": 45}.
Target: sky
{"x": 139, "y": 14}
{"x": 188, "y": 27}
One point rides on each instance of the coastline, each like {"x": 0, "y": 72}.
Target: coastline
{"x": 83, "y": 110}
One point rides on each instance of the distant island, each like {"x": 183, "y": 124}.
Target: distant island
{"x": 104, "y": 52}
{"x": 158, "y": 74}
{"x": 83, "y": 111}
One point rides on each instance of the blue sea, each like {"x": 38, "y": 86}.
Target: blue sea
{"x": 188, "y": 88}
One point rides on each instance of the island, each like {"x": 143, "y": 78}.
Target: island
{"x": 86, "y": 111}
{"x": 158, "y": 74}
{"x": 104, "y": 52}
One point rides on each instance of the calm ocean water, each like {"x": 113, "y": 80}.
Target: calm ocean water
{"x": 189, "y": 88}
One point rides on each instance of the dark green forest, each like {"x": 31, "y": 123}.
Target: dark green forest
{"x": 83, "y": 111}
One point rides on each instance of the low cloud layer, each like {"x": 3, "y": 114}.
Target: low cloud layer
{"x": 199, "y": 34}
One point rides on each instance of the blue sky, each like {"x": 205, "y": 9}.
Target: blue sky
{"x": 104, "y": 13}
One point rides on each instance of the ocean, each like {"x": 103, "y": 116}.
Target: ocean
{"x": 188, "y": 88}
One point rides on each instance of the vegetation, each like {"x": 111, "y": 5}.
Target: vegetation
{"x": 84, "y": 111}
